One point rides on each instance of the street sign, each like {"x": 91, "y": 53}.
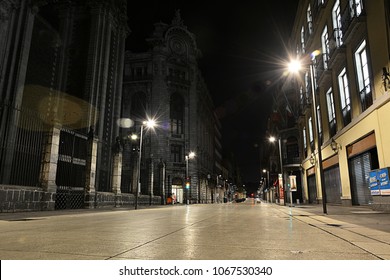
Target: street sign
{"x": 379, "y": 181}
{"x": 281, "y": 189}
{"x": 293, "y": 183}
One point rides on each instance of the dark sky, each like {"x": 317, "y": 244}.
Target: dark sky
{"x": 240, "y": 41}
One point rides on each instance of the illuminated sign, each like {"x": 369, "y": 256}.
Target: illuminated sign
{"x": 379, "y": 182}
{"x": 293, "y": 183}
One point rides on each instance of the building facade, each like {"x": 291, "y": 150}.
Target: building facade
{"x": 346, "y": 42}
{"x": 282, "y": 154}
{"x": 61, "y": 65}
{"x": 165, "y": 84}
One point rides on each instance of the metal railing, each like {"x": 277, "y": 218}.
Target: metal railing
{"x": 350, "y": 13}
{"x": 366, "y": 98}
{"x": 21, "y": 145}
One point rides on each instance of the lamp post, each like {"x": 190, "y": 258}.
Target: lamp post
{"x": 295, "y": 66}
{"x": 191, "y": 155}
{"x": 273, "y": 139}
{"x": 148, "y": 124}
{"x": 208, "y": 180}
{"x": 266, "y": 179}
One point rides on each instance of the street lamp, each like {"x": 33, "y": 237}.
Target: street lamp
{"x": 191, "y": 155}
{"x": 148, "y": 124}
{"x": 294, "y": 67}
{"x": 273, "y": 139}
{"x": 266, "y": 179}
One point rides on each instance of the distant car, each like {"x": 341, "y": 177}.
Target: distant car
{"x": 238, "y": 200}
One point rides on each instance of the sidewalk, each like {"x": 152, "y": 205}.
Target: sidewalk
{"x": 358, "y": 215}
{"x": 358, "y": 225}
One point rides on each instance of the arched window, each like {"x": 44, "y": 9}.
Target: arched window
{"x": 177, "y": 114}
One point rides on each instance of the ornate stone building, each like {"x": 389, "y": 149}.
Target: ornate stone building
{"x": 166, "y": 84}
{"x": 61, "y": 65}
{"x": 347, "y": 44}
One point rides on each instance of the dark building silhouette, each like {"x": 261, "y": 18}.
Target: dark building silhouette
{"x": 61, "y": 65}
{"x": 166, "y": 84}
{"x": 65, "y": 124}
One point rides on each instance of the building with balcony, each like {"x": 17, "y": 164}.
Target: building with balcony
{"x": 283, "y": 156}
{"x": 348, "y": 43}
{"x": 166, "y": 84}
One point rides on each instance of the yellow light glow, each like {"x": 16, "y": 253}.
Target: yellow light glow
{"x": 272, "y": 139}
{"x": 150, "y": 123}
{"x": 315, "y": 53}
{"x": 294, "y": 66}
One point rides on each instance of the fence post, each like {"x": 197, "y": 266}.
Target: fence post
{"x": 90, "y": 169}
{"x": 48, "y": 172}
{"x": 117, "y": 173}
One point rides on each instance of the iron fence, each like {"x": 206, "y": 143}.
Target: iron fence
{"x": 21, "y": 145}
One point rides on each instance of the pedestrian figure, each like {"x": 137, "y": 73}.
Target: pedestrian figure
{"x": 173, "y": 198}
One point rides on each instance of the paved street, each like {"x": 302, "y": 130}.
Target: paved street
{"x": 198, "y": 232}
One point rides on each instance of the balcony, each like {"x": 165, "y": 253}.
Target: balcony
{"x": 177, "y": 80}
{"x": 291, "y": 162}
{"x": 308, "y": 33}
{"x": 304, "y": 104}
{"x": 366, "y": 98}
{"x": 179, "y": 167}
{"x": 337, "y": 50}
{"x": 138, "y": 78}
{"x": 318, "y": 9}
{"x": 353, "y": 21}
{"x": 323, "y": 74}
{"x": 346, "y": 112}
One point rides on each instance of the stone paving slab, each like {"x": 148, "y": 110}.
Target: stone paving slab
{"x": 218, "y": 231}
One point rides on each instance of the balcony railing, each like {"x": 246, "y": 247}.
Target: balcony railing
{"x": 349, "y": 14}
{"x": 366, "y": 97}
{"x": 318, "y": 6}
{"x": 138, "y": 78}
{"x": 346, "y": 114}
{"x": 321, "y": 69}
{"x": 332, "y": 127}
{"x": 336, "y": 48}
{"x": 178, "y": 80}
{"x": 305, "y": 103}
{"x": 291, "y": 160}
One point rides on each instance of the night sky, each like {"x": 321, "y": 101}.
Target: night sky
{"x": 241, "y": 42}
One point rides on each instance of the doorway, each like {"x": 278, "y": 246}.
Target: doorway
{"x": 177, "y": 193}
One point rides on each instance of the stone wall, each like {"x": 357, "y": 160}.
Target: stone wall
{"x": 24, "y": 199}
{"x": 18, "y": 199}
{"x": 381, "y": 203}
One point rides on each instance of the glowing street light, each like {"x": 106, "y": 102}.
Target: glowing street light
{"x": 294, "y": 67}
{"x": 272, "y": 139}
{"x": 191, "y": 155}
{"x": 149, "y": 124}
{"x": 266, "y": 178}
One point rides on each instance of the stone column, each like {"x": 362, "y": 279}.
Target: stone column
{"x": 117, "y": 176}
{"x": 151, "y": 181}
{"x": 90, "y": 177}
{"x": 162, "y": 175}
{"x": 48, "y": 172}
{"x": 117, "y": 173}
